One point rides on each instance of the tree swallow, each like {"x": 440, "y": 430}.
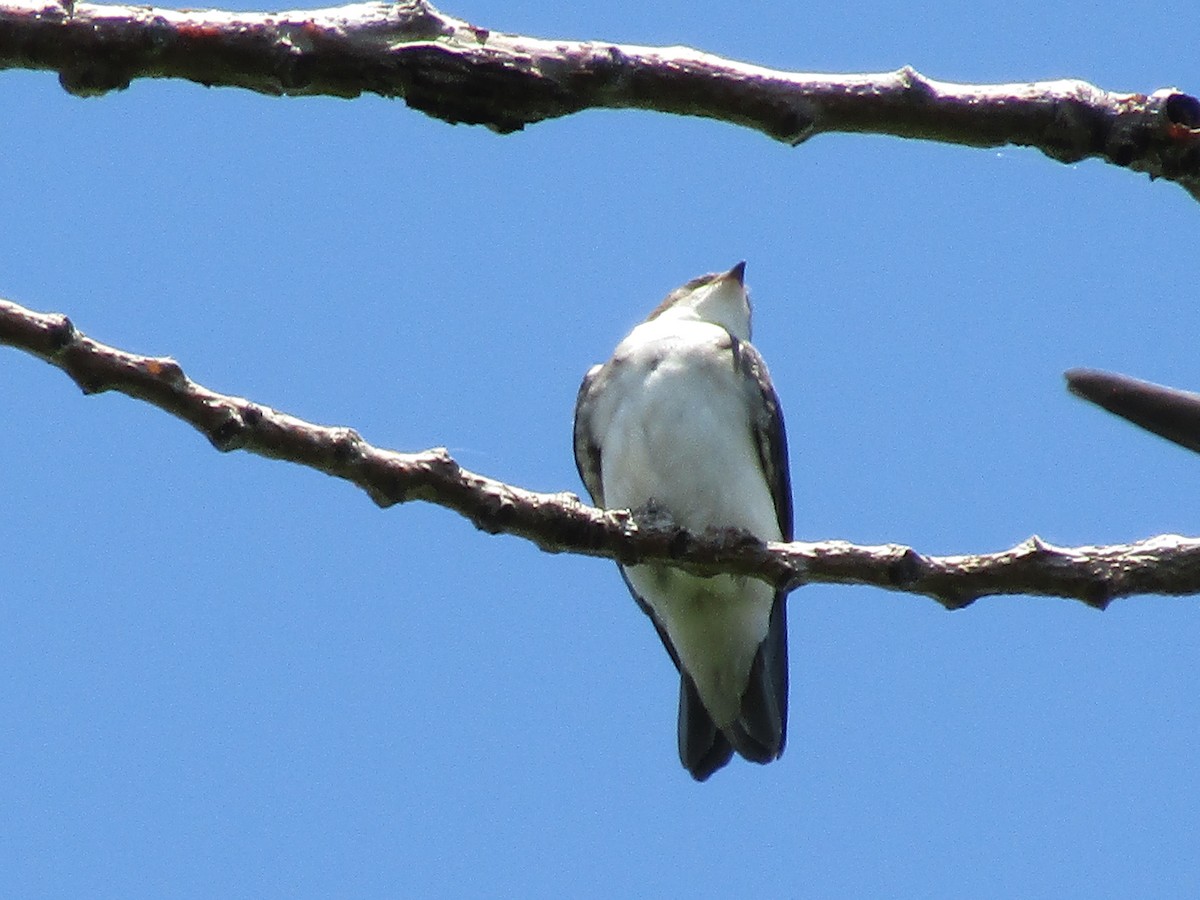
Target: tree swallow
{"x": 684, "y": 418}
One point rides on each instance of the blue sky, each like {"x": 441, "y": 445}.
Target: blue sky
{"x": 227, "y": 676}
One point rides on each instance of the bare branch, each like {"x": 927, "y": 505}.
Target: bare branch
{"x": 1166, "y": 411}
{"x": 458, "y": 72}
{"x": 558, "y": 523}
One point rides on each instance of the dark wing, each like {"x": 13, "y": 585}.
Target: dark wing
{"x": 770, "y": 436}
{"x": 761, "y": 731}
{"x": 587, "y": 448}
{"x": 703, "y": 747}
{"x": 587, "y": 461}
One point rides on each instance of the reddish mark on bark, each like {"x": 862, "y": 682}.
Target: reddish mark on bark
{"x": 1182, "y": 133}
{"x": 199, "y": 31}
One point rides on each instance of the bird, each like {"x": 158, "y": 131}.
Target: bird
{"x": 684, "y": 419}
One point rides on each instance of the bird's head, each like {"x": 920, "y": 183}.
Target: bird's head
{"x": 719, "y": 298}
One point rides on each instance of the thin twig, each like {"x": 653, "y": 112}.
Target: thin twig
{"x": 1168, "y": 412}
{"x": 558, "y": 523}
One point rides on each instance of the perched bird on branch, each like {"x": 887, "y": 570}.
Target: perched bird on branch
{"x": 684, "y": 419}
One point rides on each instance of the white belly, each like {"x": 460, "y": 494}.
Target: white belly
{"x": 677, "y": 431}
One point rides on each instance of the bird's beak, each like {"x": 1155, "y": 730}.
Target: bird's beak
{"x": 737, "y": 273}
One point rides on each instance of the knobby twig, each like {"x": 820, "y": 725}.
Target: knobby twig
{"x": 459, "y": 72}
{"x": 557, "y": 523}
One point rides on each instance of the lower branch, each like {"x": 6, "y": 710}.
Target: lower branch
{"x": 560, "y": 523}
{"x": 460, "y": 72}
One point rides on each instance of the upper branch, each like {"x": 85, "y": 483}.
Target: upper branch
{"x": 459, "y": 72}
{"x": 561, "y": 523}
